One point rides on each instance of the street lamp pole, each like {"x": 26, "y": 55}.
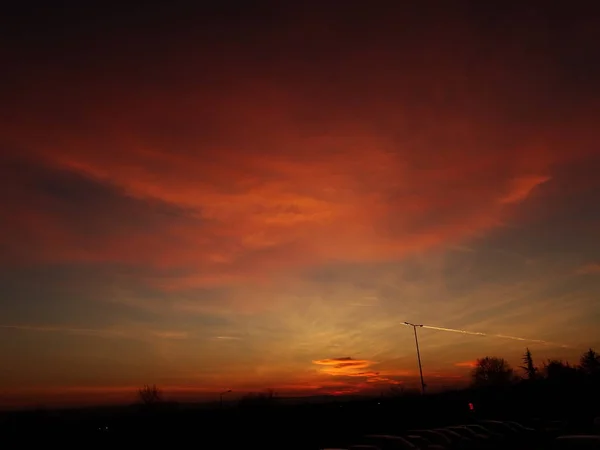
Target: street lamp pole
{"x": 221, "y": 397}
{"x": 418, "y": 353}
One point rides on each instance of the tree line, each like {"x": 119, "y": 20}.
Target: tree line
{"x": 493, "y": 372}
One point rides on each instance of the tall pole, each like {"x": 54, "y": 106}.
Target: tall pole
{"x": 221, "y": 397}
{"x": 418, "y": 354}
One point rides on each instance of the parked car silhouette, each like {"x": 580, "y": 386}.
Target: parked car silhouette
{"x": 389, "y": 442}
{"x": 577, "y": 442}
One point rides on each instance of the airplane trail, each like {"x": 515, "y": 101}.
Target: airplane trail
{"x": 474, "y": 333}
{"x": 502, "y": 336}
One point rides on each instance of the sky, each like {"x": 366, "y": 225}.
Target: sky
{"x": 258, "y": 195}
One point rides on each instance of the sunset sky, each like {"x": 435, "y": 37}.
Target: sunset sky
{"x": 257, "y": 197}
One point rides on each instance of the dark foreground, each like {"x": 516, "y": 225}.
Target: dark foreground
{"x": 315, "y": 426}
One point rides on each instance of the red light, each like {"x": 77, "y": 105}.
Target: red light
{"x": 471, "y": 407}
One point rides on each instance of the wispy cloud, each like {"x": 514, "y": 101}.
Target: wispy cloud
{"x": 68, "y": 330}
{"x": 588, "y": 269}
{"x": 171, "y": 334}
{"x": 521, "y": 187}
{"x": 470, "y": 364}
{"x": 135, "y": 332}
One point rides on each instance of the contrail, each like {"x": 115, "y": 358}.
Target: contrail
{"x": 474, "y": 333}
{"x": 502, "y": 336}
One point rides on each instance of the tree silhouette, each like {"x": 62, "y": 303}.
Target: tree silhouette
{"x": 150, "y": 395}
{"x": 559, "y": 372}
{"x": 528, "y": 367}
{"x": 492, "y": 372}
{"x": 589, "y": 363}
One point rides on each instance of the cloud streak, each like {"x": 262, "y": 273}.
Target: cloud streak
{"x": 68, "y": 330}
{"x": 131, "y": 332}
{"x": 589, "y": 269}
{"x": 469, "y": 364}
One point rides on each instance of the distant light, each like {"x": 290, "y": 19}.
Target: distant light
{"x": 471, "y": 407}
{"x": 378, "y": 403}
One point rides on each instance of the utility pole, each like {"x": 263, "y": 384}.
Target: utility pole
{"x": 221, "y": 397}
{"x": 418, "y": 353}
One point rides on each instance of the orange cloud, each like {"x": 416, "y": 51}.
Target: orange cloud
{"x": 359, "y": 368}
{"x": 344, "y": 366}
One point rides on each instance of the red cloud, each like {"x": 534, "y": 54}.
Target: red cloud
{"x": 245, "y": 215}
{"x": 270, "y": 174}
{"x": 521, "y": 188}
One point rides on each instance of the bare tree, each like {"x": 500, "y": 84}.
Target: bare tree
{"x": 262, "y": 399}
{"x": 150, "y": 395}
{"x": 492, "y": 371}
{"x": 531, "y": 372}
